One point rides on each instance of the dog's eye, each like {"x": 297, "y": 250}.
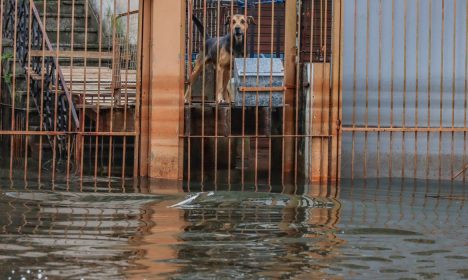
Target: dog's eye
{"x": 233, "y": 21}
{"x": 243, "y": 21}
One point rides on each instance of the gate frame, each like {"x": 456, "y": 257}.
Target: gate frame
{"x": 162, "y": 90}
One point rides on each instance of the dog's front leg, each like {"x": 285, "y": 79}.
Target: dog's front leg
{"x": 220, "y": 84}
{"x": 226, "y": 78}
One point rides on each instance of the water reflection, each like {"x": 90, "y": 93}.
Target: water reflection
{"x": 124, "y": 230}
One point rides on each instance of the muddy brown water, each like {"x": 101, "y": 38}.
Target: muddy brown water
{"x": 110, "y": 229}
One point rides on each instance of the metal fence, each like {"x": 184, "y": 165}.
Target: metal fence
{"x": 275, "y": 132}
{"x": 68, "y": 87}
{"x": 317, "y": 90}
{"x": 404, "y": 76}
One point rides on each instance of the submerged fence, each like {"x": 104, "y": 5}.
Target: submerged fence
{"x": 68, "y": 88}
{"x": 316, "y": 90}
{"x": 405, "y": 89}
{"x": 281, "y": 125}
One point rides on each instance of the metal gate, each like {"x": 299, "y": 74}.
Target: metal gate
{"x": 273, "y": 131}
{"x": 404, "y": 84}
{"x": 69, "y": 96}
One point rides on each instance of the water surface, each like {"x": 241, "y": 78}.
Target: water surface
{"x": 156, "y": 230}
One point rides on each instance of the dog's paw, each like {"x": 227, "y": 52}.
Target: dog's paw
{"x": 221, "y": 101}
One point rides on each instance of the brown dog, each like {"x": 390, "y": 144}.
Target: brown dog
{"x": 218, "y": 51}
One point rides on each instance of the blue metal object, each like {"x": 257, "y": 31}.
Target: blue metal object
{"x": 241, "y": 3}
{"x": 258, "y": 73}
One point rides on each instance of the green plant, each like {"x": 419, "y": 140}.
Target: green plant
{"x": 7, "y": 75}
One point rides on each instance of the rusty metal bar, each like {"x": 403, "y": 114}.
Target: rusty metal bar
{"x": 259, "y": 136}
{"x": 13, "y": 90}
{"x": 354, "y": 88}
{"x": 297, "y": 81}
{"x": 311, "y": 78}
{"x": 71, "y": 88}
{"x": 259, "y": 18}
{"x": 441, "y": 88}
{"x": 270, "y": 105}
{"x": 230, "y": 105}
{"x": 428, "y": 138}
{"x": 28, "y": 90}
{"x": 59, "y": 133}
{"x": 243, "y": 105}
{"x": 116, "y": 92}
{"x": 98, "y": 115}
{"x": 379, "y": 91}
{"x": 203, "y": 50}
{"x": 56, "y": 94}
{"x": 405, "y": 59}
{"x": 189, "y": 66}
{"x": 416, "y": 116}
{"x": 405, "y": 129}
{"x": 466, "y": 93}
{"x": 218, "y": 22}
{"x": 453, "y": 84}
{"x": 124, "y": 153}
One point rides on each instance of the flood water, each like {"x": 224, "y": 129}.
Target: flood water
{"x": 113, "y": 230}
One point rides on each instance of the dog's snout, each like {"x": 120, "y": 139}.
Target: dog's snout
{"x": 237, "y": 29}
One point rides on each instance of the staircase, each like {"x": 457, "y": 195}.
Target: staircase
{"x": 78, "y": 27}
{"x": 43, "y": 71}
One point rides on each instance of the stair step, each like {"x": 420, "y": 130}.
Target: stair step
{"x": 79, "y": 35}
{"x": 91, "y": 46}
{"x": 66, "y": 6}
{"x": 66, "y": 20}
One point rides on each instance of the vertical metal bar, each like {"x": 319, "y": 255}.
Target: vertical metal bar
{"x": 429, "y": 56}
{"x": 191, "y": 42}
{"x": 312, "y": 99}
{"x": 340, "y": 91}
{"x": 297, "y": 66}
{"x": 127, "y": 65}
{"x": 416, "y": 116}
{"x": 13, "y": 89}
{"x": 218, "y": 22}
{"x": 354, "y": 89}
{"x": 56, "y": 94}
{"x": 392, "y": 88}
{"x": 466, "y": 92}
{"x": 203, "y": 49}
{"x": 137, "y": 121}
{"x": 259, "y": 19}
{"x": 441, "y": 86}
{"x": 83, "y": 98}
{"x": 367, "y": 86}
{"x": 28, "y": 87}
{"x": 230, "y": 105}
{"x": 379, "y": 91}
{"x": 270, "y": 104}
{"x": 324, "y": 156}
{"x": 41, "y": 109}
{"x": 405, "y": 59}
{"x": 98, "y": 113}
{"x": 69, "y": 128}
{"x": 116, "y": 93}
{"x": 453, "y": 85}
{"x": 243, "y": 105}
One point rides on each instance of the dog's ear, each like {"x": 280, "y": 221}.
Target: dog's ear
{"x": 251, "y": 20}
{"x": 228, "y": 20}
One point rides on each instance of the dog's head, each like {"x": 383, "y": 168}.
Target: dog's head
{"x": 238, "y": 25}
